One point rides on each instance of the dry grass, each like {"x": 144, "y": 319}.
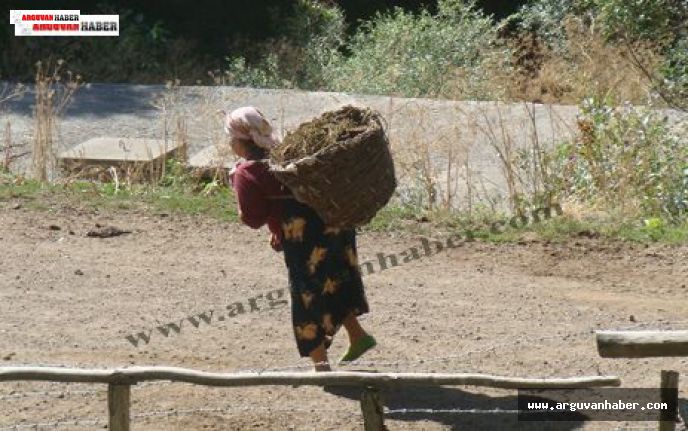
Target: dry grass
{"x": 209, "y": 125}
{"x": 586, "y": 67}
{"x": 178, "y": 124}
{"x": 167, "y": 104}
{"x": 54, "y": 90}
{"x": 429, "y": 165}
{"x": 181, "y": 140}
{"x": 444, "y": 169}
{"x": 9, "y": 92}
{"x": 11, "y": 152}
{"x": 435, "y": 170}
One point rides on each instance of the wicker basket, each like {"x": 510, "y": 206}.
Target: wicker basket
{"x": 346, "y": 183}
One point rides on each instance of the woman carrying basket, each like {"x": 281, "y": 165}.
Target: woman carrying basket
{"x": 324, "y": 277}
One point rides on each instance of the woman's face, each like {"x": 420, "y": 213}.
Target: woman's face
{"x": 239, "y": 147}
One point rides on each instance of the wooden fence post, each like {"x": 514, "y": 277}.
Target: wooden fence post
{"x": 371, "y": 406}
{"x": 667, "y": 419}
{"x": 118, "y": 407}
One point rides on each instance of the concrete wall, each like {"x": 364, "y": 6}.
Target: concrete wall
{"x": 467, "y": 133}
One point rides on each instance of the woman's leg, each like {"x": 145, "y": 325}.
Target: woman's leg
{"x": 319, "y": 358}
{"x": 353, "y": 328}
{"x": 359, "y": 340}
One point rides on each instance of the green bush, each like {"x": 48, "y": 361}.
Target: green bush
{"x": 544, "y": 18}
{"x": 414, "y": 55}
{"x": 175, "y": 175}
{"x": 650, "y": 20}
{"x": 627, "y": 160}
{"x": 663, "y": 23}
{"x": 312, "y": 37}
{"x": 674, "y": 73}
{"x": 657, "y": 21}
{"x": 318, "y": 31}
{"x": 399, "y": 53}
{"x": 266, "y": 74}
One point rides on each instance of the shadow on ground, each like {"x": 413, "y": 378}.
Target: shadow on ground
{"x": 444, "y": 398}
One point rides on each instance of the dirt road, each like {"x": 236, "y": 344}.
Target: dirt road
{"x": 525, "y": 309}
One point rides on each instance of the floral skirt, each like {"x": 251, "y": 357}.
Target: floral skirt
{"x": 324, "y": 276}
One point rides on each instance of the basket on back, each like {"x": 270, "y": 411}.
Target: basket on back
{"x": 339, "y": 164}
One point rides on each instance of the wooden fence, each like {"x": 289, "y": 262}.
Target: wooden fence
{"x": 649, "y": 344}
{"x": 120, "y": 380}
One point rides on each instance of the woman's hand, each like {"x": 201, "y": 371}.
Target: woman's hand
{"x": 275, "y": 243}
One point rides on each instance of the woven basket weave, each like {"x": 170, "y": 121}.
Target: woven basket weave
{"x": 345, "y": 183}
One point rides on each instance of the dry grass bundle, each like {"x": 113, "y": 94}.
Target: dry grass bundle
{"x": 331, "y": 128}
{"x": 346, "y": 173}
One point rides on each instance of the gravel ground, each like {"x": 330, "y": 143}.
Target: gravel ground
{"x": 523, "y": 309}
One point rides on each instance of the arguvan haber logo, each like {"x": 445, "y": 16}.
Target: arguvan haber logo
{"x": 62, "y": 23}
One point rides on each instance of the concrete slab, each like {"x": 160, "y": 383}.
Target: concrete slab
{"x": 113, "y": 150}
{"x": 211, "y": 157}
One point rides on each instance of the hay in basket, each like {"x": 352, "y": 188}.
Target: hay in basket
{"x": 339, "y": 164}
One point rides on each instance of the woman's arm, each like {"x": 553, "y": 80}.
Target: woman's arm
{"x": 254, "y": 208}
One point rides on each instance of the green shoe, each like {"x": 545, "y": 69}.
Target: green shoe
{"x": 355, "y": 351}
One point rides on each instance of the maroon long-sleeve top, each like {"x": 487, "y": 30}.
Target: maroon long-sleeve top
{"x": 256, "y": 189}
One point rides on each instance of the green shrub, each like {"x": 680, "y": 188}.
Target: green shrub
{"x": 544, "y": 18}
{"x": 312, "y": 36}
{"x": 654, "y": 30}
{"x": 414, "y": 55}
{"x": 266, "y": 74}
{"x": 674, "y": 73}
{"x": 318, "y": 31}
{"x": 626, "y": 160}
{"x": 650, "y": 20}
{"x": 175, "y": 175}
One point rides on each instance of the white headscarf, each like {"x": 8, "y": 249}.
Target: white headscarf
{"x": 249, "y": 123}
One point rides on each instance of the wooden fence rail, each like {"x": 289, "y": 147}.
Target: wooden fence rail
{"x": 119, "y": 383}
{"x": 649, "y": 344}
{"x": 134, "y": 375}
{"x": 642, "y": 344}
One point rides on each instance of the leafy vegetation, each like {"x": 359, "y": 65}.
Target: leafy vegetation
{"x": 416, "y": 55}
{"x": 628, "y": 159}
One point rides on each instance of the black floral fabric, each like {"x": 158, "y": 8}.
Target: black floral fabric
{"x": 324, "y": 276}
